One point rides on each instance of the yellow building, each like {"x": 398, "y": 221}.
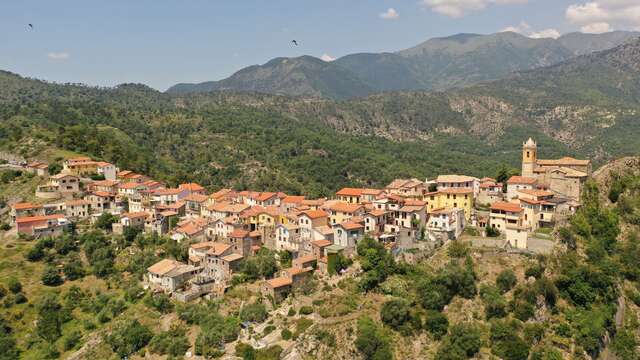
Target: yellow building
{"x": 80, "y": 166}
{"x": 341, "y": 212}
{"x": 450, "y": 198}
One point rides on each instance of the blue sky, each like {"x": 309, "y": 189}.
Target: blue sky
{"x": 163, "y": 42}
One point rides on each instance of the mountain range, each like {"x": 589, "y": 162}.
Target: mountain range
{"x": 436, "y": 64}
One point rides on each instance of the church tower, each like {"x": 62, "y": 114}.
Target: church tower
{"x": 529, "y": 157}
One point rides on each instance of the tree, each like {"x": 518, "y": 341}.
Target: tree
{"x": 50, "y": 318}
{"x": 160, "y": 302}
{"x": 173, "y": 342}
{"x": 73, "y": 269}
{"x": 128, "y": 337}
{"x": 492, "y": 232}
{"x": 255, "y": 312}
{"x": 505, "y": 342}
{"x": 376, "y": 262}
{"x": 54, "y": 168}
{"x": 506, "y": 280}
{"x": 463, "y": 342}
{"x": 106, "y": 221}
{"x": 371, "y": 341}
{"x": 14, "y": 285}
{"x": 396, "y": 314}
{"x": 436, "y": 323}
{"x": 51, "y": 277}
{"x": 458, "y": 249}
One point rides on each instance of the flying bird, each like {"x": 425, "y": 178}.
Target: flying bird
{"x": 294, "y": 42}
{"x": 31, "y": 26}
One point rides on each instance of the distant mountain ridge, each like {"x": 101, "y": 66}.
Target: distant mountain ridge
{"x": 436, "y": 64}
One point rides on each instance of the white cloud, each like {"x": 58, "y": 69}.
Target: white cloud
{"x": 58, "y": 55}
{"x": 525, "y": 29}
{"x": 546, "y": 33}
{"x": 327, "y": 58}
{"x": 458, "y": 8}
{"x": 390, "y": 14}
{"x": 599, "y": 16}
{"x": 596, "y": 28}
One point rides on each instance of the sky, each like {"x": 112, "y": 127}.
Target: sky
{"x": 164, "y": 42}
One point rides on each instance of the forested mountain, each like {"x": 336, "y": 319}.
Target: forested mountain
{"x": 437, "y": 64}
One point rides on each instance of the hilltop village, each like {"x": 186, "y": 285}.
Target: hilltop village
{"x": 410, "y": 217}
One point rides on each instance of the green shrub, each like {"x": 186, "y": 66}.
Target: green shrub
{"x": 463, "y": 342}
{"x": 291, "y": 312}
{"x": 371, "y": 341}
{"x": 286, "y": 334}
{"x": 160, "y": 302}
{"x": 51, "y": 277}
{"x": 128, "y": 337}
{"x": 306, "y": 310}
{"x": 14, "y": 285}
{"x": 71, "y": 340}
{"x": 173, "y": 342}
{"x": 506, "y": 280}
{"x": 255, "y": 312}
{"x": 436, "y": 323}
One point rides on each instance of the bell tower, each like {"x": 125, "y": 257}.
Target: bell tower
{"x": 529, "y": 157}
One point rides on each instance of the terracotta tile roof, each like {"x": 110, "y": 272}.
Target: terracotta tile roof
{"x": 315, "y": 214}
{"x": 134, "y": 215}
{"x": 454, "y": 178}
{"x": 314, "y": 202}
{"x": 489, "y": 184}
{"x": 377, "y": 212}
{"x": 442, "y": 211}
{"x": 324, "y": 230}
{"x": 564, "y": 161}
{"x": 168, "y": 213}
{"x": 506, "y": 206}
{"x": 349, "y": 192}
{"x": 26, "y": 206}
{"x": 569, "y": 172}
{"x": 196, "y": 198}
{"x": 239, "y": 233}
{"x": 163, "y": 266}
{"x": 264, "y": 196}
{"x": 62, "y": 176}
{"x": 345, "y": 207}
{"x": 255, "y": 234}
{"x": 521, "y": 180}
{"x": 321, "y": 243}
{"x": 293, "y": 199}
{"x": 29, "y": 219}
{"x": 372, "y": 191}
{"x": 163, "y": 192}
{"x": 412, "y": 208}
{"x": 232, "y": 257}
{"x": 350, "y": 225}
{"x": 221, "y": 193}
{"x": 488, "y": 179}
{"x": 191, "y": 187}
{"x": 102, "y": 194}
{"x": 212, "y": 248}
{"x": 279, "y": 282}
{"x": 189, "y": 229}
{"x": 128, "y": 185}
